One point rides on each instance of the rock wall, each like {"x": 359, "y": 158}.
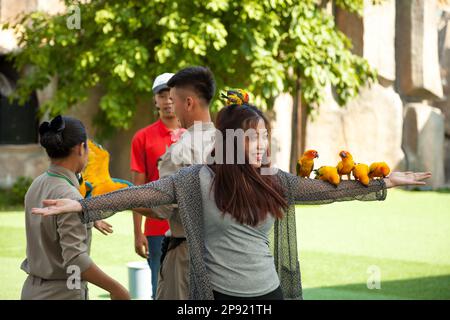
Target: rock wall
{"x": 423, "y": 141}
{"x": 369, "y": 127}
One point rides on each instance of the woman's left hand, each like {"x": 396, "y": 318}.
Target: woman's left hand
{"x": 408, "y": 178}
{"x": 103, "y": 226}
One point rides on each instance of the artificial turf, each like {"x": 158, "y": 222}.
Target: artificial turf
{"x": 406, "y": 238}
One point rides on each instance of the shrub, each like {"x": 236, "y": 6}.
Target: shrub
{"x": 14, "y": 196}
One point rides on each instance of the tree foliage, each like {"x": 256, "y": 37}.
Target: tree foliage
{"x": 260, "y": 45}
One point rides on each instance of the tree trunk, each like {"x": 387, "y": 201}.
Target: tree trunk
{"x": 299, "y": 117}
{"x": 297, "y": 127}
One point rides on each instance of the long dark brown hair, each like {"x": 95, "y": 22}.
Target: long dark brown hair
{"x": 240, "y": 189}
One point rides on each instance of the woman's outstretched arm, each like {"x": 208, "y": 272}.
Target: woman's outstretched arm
{"x": 311, "y": 191}
{"x": 149, "y": 195}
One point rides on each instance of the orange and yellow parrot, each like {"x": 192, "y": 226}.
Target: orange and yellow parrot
{"x": 346, "y": 165}
{"x": 329, "y": 174}
{"x": 97, "y": 179}
{"x": 306, "y": 163}
{"x": 361, "y": 173}
{"x": 379, "y": 170}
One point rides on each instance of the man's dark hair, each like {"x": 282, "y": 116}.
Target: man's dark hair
{"x": 200, "y": 79}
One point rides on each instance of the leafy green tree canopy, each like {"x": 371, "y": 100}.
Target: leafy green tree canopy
{"x": 261, "y": 45}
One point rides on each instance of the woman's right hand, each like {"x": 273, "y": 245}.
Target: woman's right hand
{"x": 58, "y": 206}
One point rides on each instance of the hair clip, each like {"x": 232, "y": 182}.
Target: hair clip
{"x": 56, "y": 125}
{"x": 44, "y": 127}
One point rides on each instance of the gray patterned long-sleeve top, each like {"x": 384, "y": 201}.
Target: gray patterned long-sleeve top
{"x": 184, "y": 189}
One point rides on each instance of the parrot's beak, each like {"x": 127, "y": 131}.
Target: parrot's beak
{"x": 343, "y": 154}
{"x": 317, "y": 156}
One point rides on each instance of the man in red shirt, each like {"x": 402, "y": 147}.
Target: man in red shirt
{"x": 147, "y": 146}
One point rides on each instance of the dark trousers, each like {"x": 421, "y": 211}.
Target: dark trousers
{"x": 277, "y": 294}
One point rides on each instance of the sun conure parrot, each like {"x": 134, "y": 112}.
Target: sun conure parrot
{"x": 361, "y": 173}
{"x": 379, "y": 170}
{"x": 329, "y": 174}
{"x": 97, "y": 179}
{"x": 345, "y": 166}
{"x": 306, "y": 163}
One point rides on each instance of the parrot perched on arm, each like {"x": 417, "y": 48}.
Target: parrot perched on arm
{"x": 346, "y": 165}
{"x": 306, "y": 163}
{"x": 361, "y": 173}
{"x": 379, "y": 170}
{"x": 329, "y": 174}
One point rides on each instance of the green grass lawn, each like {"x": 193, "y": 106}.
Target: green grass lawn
{"x": 407, "y": 237}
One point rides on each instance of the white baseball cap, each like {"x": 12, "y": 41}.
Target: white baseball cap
{"x": 160, "y": 82}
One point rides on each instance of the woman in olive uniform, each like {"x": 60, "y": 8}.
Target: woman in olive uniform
{"x": 57, "y": 262}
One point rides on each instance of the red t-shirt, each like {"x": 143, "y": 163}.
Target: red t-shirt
{"x": 147, "y": 146}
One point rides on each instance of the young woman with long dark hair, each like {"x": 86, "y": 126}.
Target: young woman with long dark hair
{"x": 228, "y": 209}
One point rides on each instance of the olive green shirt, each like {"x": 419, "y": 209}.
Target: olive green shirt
{"x": 57, "y": 242}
